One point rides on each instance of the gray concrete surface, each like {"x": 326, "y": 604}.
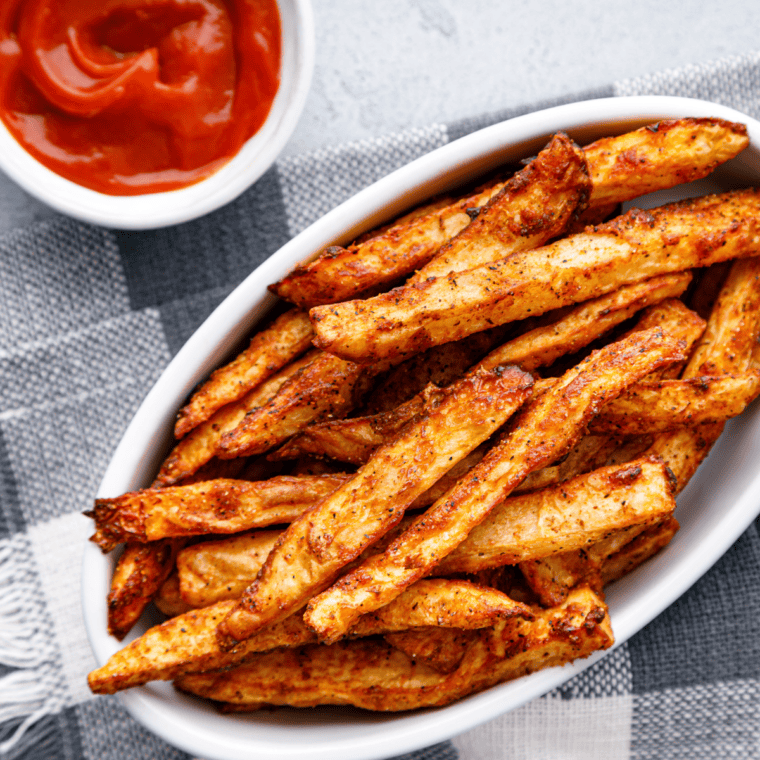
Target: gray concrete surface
{"x": 386, "y": 65}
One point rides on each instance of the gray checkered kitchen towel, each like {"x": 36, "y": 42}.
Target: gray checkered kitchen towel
{"x": 88, "y": 320}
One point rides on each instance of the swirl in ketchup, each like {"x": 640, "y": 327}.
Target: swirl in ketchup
{"x": 137, "y": 96}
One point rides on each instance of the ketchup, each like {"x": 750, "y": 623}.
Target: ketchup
{"x": 137, "y": 96}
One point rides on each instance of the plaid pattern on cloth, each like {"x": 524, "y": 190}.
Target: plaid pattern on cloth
{"x": 88, "y": 320}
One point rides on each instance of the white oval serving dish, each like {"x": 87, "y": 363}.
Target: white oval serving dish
{"x": 714, "y": 510}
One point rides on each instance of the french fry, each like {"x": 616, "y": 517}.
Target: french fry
{"x": 546, "y": 429}
{"x": 168, "y": 598}
{"x": 533, "y": 207}
{"x": 315, "y": 547}
{"x": 659, "y": 156}
{"x": 640, "y": 549}
{"x": 670, "y": 404}
{"x": 634, "y": 247}
{"x": 326, "y": 386}
{"x": 187, "y": 643}
{"x": 215, "y": 506}
{"x": 199, "y": 446}
{"x": 269, "y": 351}
{"x": 375, "y": 676}
{"x": 353, "y": 440}
{"x": 140, "y": 573}
{"x": 442, "y": 649}
{"x": 726, "y": 347}
{"x": 556, "y": 182}
{"x": 565, "y": 517}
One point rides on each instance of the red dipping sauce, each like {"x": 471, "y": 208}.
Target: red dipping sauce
{"x": 137, "y": 96}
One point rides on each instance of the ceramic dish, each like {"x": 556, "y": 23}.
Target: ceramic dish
{"x": 714, "y": 510}
{"x": 161, "y": 209}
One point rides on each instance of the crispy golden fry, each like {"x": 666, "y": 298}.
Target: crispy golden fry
{"x": 726, "y": 347}
{"x": 552, "y": 578}
{"x": 660, "y": 156}
{"x": 440, "y": 365}
{"x": 635, "y": 246}
{"x": 215, "y": 506}
{"x": 139, "y": 574}
{"x": 353, "y": 440}
{"x": 375, "y": 676}
{"x": 168, "y": 599}
{"x": 269, "y": 351}
{"x": 533, "y": 207}
{"x": 640, "y": 549}
{"x": 569, "y": 516}
{"x": 216, "y": 571}
{"x": 199, "y": 446}
{"x": 326, "y": 386}
{"x": 442, "y": 649}
{"x": 315, "y": 547}
{"x": 187, "y": 643}
{"x": 670, "y": 404}
{"x": 547, "y": 428}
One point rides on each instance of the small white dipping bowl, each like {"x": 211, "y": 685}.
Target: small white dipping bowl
{"x": 144, "y": 212}
{"x": 717, "y": 506}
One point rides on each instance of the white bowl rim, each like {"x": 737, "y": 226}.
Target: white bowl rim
{"x": 666, "y": 578}
{"x": 154, "y": 210}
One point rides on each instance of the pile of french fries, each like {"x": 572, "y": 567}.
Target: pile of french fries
{"x": 398, "y": 496}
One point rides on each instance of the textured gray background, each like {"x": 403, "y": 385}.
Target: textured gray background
{"x": 386, "y": 66}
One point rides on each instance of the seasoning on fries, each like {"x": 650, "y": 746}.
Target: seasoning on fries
{"x": 456, "y": 471}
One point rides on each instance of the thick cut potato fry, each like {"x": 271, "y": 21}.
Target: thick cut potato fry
{"x": 199, "y": 446}
{"x": 552, "y": 578}
{"x": 326, "y": 386}
{"x": 528, "y": 210}
{"x": 168, "y": 598}
{"x": 726, "y": 347}
{"x": 214, "y": 506}
{"x": 216, "y": 571}
{"x": 545, "y": 430}
{"x": 669, "y": 404}
{"x": 187, "y": 643}
{"x": 660, "y": 155}
{"x": 534, "y": 206}
{"x": 569, "y": 516}
{"x": 270, "y": 350}
{"x": 353, "y": 440}
{"x": 634, "y": 247}
{"x": 442, "y": 649}
{"x": 640, "y": 549}
{"x": 375, "y": 676}
{"x": 140, "y": 573}
{"x": 315, "y": 547}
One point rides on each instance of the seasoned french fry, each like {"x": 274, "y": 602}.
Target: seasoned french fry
{"x": 726, "y": 347}
{"x": 140, "y": 573}
{"x": 659, "y": 156}
{"x": 640, "y": 549}
{"x": 552, "y": 578}
{"x": 199, "y": 446}
{"x": 315, "y": 547}
{"x": 187, "y": 643}
{"x": 269, "y": 351}
{"x": 531, "y": 208}
{"x": 375, "y": 676}
{"x": 326, "y": 386}
{"x": 215, "y": 506}
{"x": 442, "y": 649}
{"x": 546, "y": 429}
{"x": 569, "y": 516}
{"x": 670, "y": 404}
{"x": 353, "y": 440}
{"x": 635, "y": 246}
{"x": 168, "y": 598}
